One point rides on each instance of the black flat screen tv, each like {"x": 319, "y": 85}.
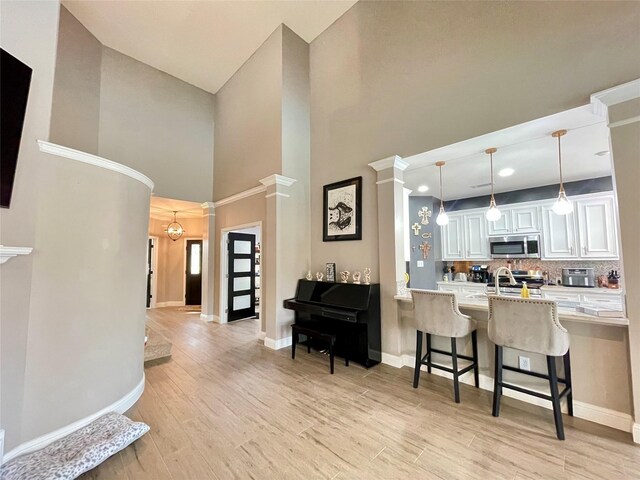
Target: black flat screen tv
{"x": 15, "y": 79}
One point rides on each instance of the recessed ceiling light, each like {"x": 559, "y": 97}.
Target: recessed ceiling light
{"x": 423, "y": 188}
{"x": 505, "y": 172}
{"x": 602, "y": 153}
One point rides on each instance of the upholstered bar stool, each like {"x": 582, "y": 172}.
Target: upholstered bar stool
{"x": 436, "y": 313}
{"x": 531, "y": 325}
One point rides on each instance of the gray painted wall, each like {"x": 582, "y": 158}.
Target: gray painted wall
{"x": 75, "y": 113}
{"x": 248, "y": 122}
{"x": 407, "y": 77}
{"x": 158, "y": 125}
{"x": 424, "y": 277}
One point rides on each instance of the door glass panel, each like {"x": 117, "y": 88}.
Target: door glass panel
{"x": 241, "y": 302}
{"x": 242, "y": 283}
{"x": 241, "y": 246}
{"x": 242, "y": 265}
{"x": 194, "y": 266}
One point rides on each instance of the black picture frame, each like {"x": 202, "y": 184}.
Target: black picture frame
{"x": 330, "y": 272}
{"x": 342, "y": 210}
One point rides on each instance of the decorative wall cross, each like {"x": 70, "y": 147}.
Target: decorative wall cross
{"x": 425, "y": 214}
{"x": 425, "y": 248}
{"x": 416, "y": 228}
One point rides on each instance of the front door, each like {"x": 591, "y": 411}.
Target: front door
{"x": 193, "y": 281}
{"x": 242, "y": 276}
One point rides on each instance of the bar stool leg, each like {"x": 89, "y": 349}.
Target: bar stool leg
{"x": 428, "y": 352}
{"x": 567, "y": 377}
{"x": 331, "y": 357}
{"x": 454, "y": 360}
{"x": 476, "y": 369}
{"x": 497, "y": 381}
{"x": 555, "y": 396}
{"x": 416, "y": 370}
{"x": 294, "y": 341}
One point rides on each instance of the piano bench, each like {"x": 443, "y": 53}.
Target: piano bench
{"x": 310, "y": 333}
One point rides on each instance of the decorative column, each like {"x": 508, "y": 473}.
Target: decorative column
{"x": 208, "y": 254}
{"x": 281, "y": 260}
{"x": 391, "y": 253}
{"x": 621, "y": 107}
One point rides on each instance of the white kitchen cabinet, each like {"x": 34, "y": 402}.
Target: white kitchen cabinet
{"x": 501, "y": 226}
{"x": 525, "y": 219}
{"x": 602, "y": 298}
{"x": 453, "y": 238}
{"x": 558, "y": 235}
{"x": 475, "y": 236}
{"x": 561, "y": 296}
{"x": 597, "y": 235}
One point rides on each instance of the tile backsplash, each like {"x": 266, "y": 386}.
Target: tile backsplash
{"x": 553, "y": 267}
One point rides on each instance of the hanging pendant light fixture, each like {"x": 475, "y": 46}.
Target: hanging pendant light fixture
{"x": 493, "y": 214}
{"x": 562, "y": 206}
{"x": 442, "y": 218}
{"x": 174, "y": 229}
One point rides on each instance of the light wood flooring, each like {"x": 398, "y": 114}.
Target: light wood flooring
{"x": 227, "y": 407}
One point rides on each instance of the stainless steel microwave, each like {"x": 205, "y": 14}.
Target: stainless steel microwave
{"x": 515, "y": 246}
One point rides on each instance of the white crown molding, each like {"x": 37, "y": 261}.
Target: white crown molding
{"x": 277, "y": 344}
{"x": 393, "y": 161}
{"x": 277, "y": 194}
{"x": 390, "y": 180}
{"x": 626, "y": 121}
{"x": 9, "y": 252}
{"x": 276, "y": 179}
{"x": 240, "y": 196}
{"x": 84, "y": 157}
{"x": 209, "y": 205}
{"x": 618, "y": 94}
{"x": 42, "y": 441}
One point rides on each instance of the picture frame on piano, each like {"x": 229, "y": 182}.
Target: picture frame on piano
{"x": 331, "y": 272}
{"x": 342, "y": 205}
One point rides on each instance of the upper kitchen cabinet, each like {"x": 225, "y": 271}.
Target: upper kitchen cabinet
{"x": 525, "y": 219}
{"x": 558, "y": 235}
{"x": 475, "y": 236}
{"x": 453, "y": 238}
{"x": 517, "y": 220}
{"x": 597, "y": 233}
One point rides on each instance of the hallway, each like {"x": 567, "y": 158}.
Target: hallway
{"x": 226, "y": 407}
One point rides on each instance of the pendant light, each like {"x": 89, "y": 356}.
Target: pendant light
{"x": 442, "y": 218}
{"x": 174, "y": 229}
{"x": 493, "y": 214}
{"x": 562, "y": 206}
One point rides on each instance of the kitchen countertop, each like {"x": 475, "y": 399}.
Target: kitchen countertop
{"x": 562, "y": 288}
{"x": 564, "y": 314}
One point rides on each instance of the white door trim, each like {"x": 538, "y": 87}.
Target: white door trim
{"x": 224, "y": 267}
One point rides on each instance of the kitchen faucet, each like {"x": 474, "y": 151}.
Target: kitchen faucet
{"x": 496, "y": 277}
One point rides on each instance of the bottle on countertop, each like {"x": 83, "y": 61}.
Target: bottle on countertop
{"x": 524, "y": 293}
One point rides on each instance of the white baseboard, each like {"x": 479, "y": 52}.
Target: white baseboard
{"x": 172, "y": 303}
{"x": 277, "y": 344}
{"x": 393, "y": 360}
{"x": 1, "y": 445}
{"x": 42, "y": 441}
{"x": 636, "y": 432}
{"x": 593, "y": 413}
{"x": 262, "y": 336}
{"x": 209, "y": 318}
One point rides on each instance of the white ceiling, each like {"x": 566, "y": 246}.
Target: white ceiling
{"x": 201, "y": 42}
{"x": 528, "y": 149}
{"x": 163, "y": 208}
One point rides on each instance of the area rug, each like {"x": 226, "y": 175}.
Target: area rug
{"x": 156, "y": 347}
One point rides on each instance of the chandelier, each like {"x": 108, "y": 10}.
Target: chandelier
{"x": 174, "y": 229}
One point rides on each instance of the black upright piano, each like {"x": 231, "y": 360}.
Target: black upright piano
{"x": 350, "y": 311}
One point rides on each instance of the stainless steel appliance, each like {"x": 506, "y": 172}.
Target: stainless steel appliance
{"x": 515, "y": 246}
{"x": 533, "y": 279}
{"x": 578, "y": 277}
{"x": 479, "y": 273}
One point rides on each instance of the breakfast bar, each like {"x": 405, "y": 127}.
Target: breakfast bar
{"x": 599, "y": 353}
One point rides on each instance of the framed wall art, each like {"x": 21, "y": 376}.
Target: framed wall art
{"x": 331, "y": 272}
{"x": 342, "y": 203}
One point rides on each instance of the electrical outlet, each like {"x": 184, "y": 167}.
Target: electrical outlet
{"x": 420, "y": 263}
{"x": 524, "y": 363}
